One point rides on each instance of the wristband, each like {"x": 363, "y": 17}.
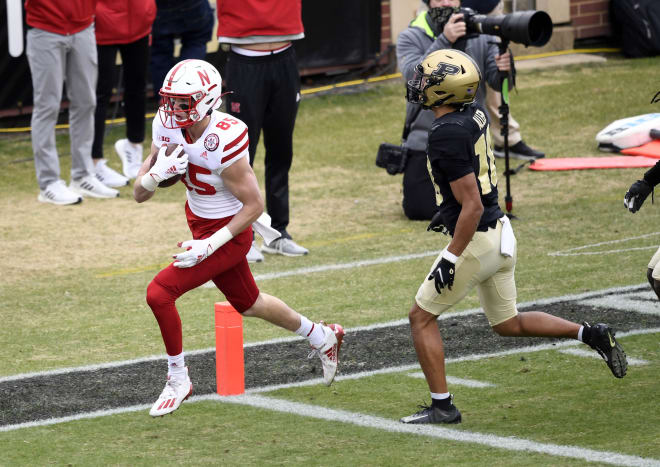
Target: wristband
{"x": 449, "y": 256}
{"x": 148, "y": 182}
{"x": 219, "y": 238}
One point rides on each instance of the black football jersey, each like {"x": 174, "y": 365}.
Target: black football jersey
{"x": 459, "y": 144}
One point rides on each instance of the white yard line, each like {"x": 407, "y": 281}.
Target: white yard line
{"x": 441, "y": 432}
{"x": 592, "y": 354}
{"x": 576, "y": 251}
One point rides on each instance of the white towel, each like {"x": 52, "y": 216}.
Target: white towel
{"x": 263, "y": 228}
{"x": 508, "y": 241}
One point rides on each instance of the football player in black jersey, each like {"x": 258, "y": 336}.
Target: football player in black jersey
{"x": 633, "y": 200}
{"x": 482, "y": 250}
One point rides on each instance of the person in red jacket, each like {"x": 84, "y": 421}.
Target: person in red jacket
{"x": 122, "y": 26}
{"x": 61, "y": 48}
{"x": 262, "y": 75}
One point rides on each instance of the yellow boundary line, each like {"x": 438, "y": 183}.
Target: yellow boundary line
{"x": 349, "y": 83}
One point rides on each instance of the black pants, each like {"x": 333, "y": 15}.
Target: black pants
{"x": 418, "y": 191}
{"x": 135, "y": 60}
{"x": 266, "y": 92}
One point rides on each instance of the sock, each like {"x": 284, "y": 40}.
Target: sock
{"x": 441, "y": 400}
{"x": 176, "y": 365}
{"x": 584, "y": 334}
{"x": 312, "y": 331}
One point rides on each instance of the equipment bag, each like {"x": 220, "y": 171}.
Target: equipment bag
{"x": 638, "y": 24}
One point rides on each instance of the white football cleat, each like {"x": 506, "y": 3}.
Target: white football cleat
{"x": 254, "y": 255}
{"x": 58, "y": 193}
{"x": 108, "y": 176}
{"x": 328, "y": 352}
{"x": 176, "y": 391}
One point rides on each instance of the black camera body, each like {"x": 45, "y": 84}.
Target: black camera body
{"x": 392, "y": 158}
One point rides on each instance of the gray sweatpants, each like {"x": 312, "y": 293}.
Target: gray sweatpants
{"x": 56, "y": 59}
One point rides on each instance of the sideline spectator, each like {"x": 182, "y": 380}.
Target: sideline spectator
{"x": 262, "y": 76}
{"x": 122, "y": 26}
{"x": 191, "y": 22}
{"x": 633, "y": 200}
{"x": 433, "y": 30}
{"x": 482, "y": 250}
{"x": 61, "y": 49}
{"x": 224, "y": 200}
{"x": 517, "y": 147}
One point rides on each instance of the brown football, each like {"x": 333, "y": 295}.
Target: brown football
{"x": 172, "y": 180}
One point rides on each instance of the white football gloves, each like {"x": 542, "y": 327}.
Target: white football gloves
{"x": 198, "y": 250}
{"x": 165, "y": 167}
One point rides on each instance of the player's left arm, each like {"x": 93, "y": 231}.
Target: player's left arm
{"x": 466, "y": 192}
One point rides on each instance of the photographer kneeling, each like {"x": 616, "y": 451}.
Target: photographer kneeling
{"x": 439, "y": 28}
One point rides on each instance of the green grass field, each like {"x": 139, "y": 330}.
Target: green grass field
{"x": 74, "y": 279}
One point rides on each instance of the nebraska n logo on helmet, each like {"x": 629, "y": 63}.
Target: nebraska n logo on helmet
{"x": 446, "y": 76}
{"x": 191, "y": 90}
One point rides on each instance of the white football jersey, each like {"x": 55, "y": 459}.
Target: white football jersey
{"x": 224, "y": 142}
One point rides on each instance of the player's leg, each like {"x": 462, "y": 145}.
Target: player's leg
{"x": 239, "y": 288}
{"x": 162, "y": 293}
{"x": 428, "y": 340}
{"x": 497, "y": 295}
{"x": 653, "y": 273}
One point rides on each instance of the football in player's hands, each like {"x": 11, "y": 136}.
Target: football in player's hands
{"x": 172, "y": 180}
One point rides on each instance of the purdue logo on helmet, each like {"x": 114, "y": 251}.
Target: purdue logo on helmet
{"x": 445, "y": 76}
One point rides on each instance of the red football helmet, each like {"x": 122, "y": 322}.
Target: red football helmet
{"x": 192, "y": 88}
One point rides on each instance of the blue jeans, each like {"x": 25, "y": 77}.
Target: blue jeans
{"x": 192, "y": 22}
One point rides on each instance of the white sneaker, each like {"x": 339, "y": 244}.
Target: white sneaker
{"x": 58, "y": 193}
{"x": 284, "y": 246}
{"x": 329, "y": 351}
{"x": 108, "y": 176}
{"x": 92, "y": 186}
{"x": 176, "y": 391}
{"x": 254, "y": 255}
{"x": 130, "y": 155}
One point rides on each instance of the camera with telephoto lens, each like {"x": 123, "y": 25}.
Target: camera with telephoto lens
{"x": 392, "y": 158}
{"x": 523, "y": 27}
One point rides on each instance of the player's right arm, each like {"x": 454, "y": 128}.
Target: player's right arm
{"x": 140, "y": 193}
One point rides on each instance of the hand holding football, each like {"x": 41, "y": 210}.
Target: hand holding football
{"x": 172, "y": 180}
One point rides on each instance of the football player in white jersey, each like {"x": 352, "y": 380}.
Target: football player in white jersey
{"x": 223, "y": 201}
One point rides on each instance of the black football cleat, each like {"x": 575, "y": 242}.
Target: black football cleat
{"x": 430, "y": 414}
{"x": 602, "y": 341}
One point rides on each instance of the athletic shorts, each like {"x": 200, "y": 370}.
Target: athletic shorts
{"x": 482, "y": 266}
{"x": 655, "y": 265}
{"x": 227, "y": 267}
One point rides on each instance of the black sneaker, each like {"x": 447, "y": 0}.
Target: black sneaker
{"x": 602, "y": 341}
{"x": 520, "y": 150}
{"x": 430, "y": 414}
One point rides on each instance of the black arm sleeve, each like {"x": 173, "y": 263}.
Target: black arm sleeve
{"x": 652, "y": 176}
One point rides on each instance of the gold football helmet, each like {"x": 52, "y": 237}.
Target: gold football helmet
{"x": 446, "y": 76}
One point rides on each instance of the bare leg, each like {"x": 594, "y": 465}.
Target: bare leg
{"x": 428, "y": 345}
{"x": 654, "y": 283}
{"x": 537, "y": 324}
{"x": 275, "y": 311}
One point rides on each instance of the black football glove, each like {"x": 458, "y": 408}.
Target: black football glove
{"x": 443, "y": 275}
{"x": 636, "y": 195}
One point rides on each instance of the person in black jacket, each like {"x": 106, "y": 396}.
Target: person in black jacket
{"x": 633, "y": 201}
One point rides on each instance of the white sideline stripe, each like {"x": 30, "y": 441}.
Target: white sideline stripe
{"x": 312, "y": 382}
{"x": 162, "y": 357}
{"x": 626, "y": 302}
{"x": 434, "y": 431}
{"x": 337, "y": 266}
{"x": 471, "y": 383}
{"x": 592, "y": 354}
{"x": 570, "y": 251}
